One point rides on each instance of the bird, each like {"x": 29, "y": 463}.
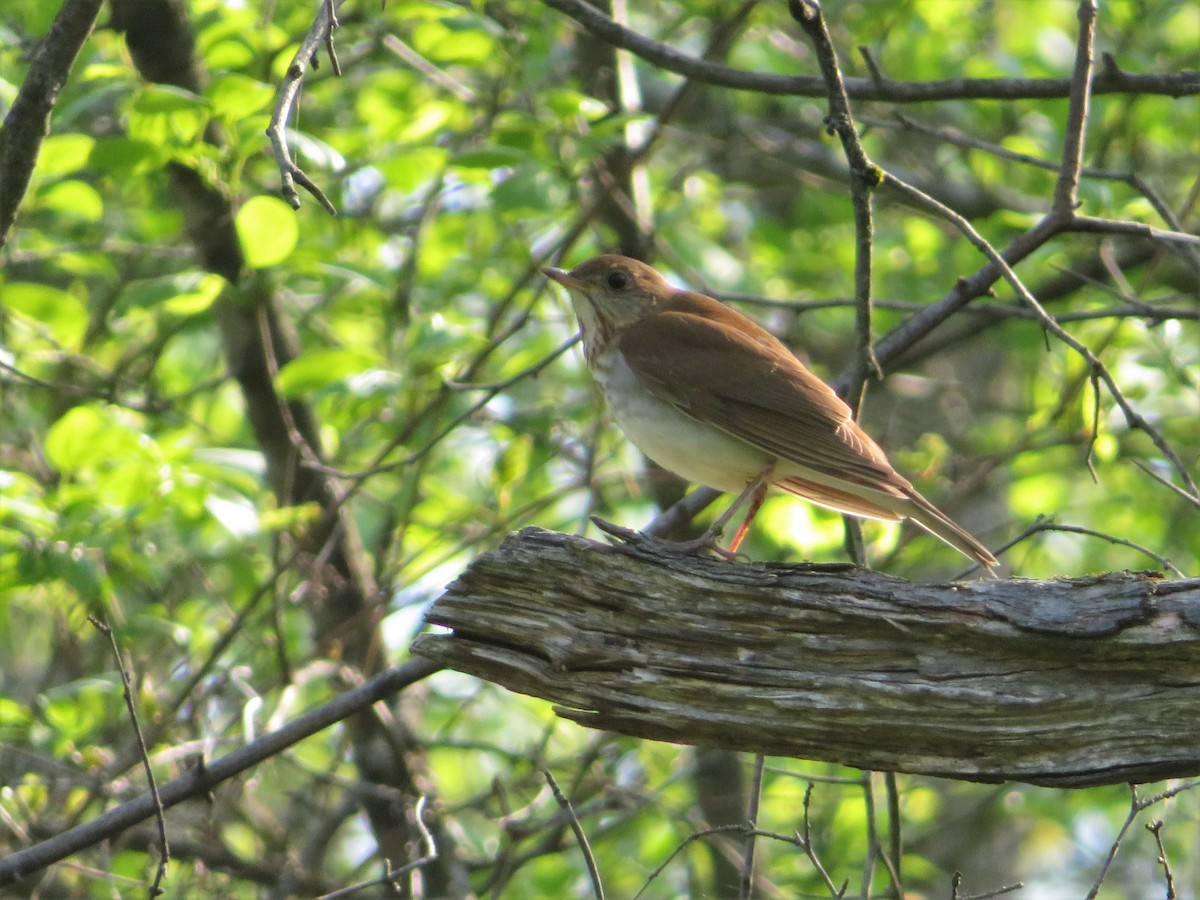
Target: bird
{"x": 709, "y": 394}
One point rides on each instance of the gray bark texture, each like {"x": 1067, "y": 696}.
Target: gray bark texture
{"x": 1070, "y": 682}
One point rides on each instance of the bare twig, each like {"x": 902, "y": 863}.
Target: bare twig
{"x": 164, "y": 848}
{"x": 1047, "y": 525}
{"x": 584, "y": 847}
{"x": 746, "y": 883}
{"x": 1155, "y": 828}
{"x": 895, "y": 823}
{"x": 1174, "y": 234}
{"x": 875, "y": 851}
{"x": 435, "y": 75}
{"x": 864, "y": 177}
{"x": 1136, "y": 806}
{"x": 741, "y": 828}
{"x": 321, "y": 33}
{"x": 1174, "y": 84}
{"x": 1079, "y": 99}
{"x": 1195, "y": 501}
{"x": 27, "y": 121}
{"x": 200, "y": 782}
{"x": 956, "y": 883}
{"x": 391, "y": 877}
{"x": 806, "y": 839}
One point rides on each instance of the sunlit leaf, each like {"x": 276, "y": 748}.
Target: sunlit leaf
{"x": 74, "y": 200}
{"x": 268, "y": 231}
{"x": 489, "y": 158}
{"x": 234, "y": 96}
{"x": 53, "y": 308}
{"x": 89, "y": 436}
{"x": 319, "y": 369}
{"x": 63, "y": 154}
{"x": 163, "y": 114}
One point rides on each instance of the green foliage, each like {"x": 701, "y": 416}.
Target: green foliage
{"x": 133, "y": 483}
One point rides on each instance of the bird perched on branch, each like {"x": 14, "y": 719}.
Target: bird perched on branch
{"x": 712, "y": 396}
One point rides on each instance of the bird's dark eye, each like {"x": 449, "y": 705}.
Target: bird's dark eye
{"x": 617, "y": 280}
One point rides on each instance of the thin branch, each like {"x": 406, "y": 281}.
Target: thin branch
{"x": 1107, "y": 81}
{"x": 1043, "y": 523}
{"x": 864, "y": 177}
{"x": 584, "y": 847}
{"x": 27, "y": 121}
{"x": 206, "y": 776}
{"x": 391, "y": 877}
{"x": 1136, "y": 806}
{"x": 875, "y": 845}
{"x": 321, "y": 33}
{"x": 956, "y": 883}
{"x": 1155, "y": 828}
{"x": 1174, "y": 234}
{"x": 164, "y": 848}
{"x": 1077, "y": 112}
{"x": 1096, "y": 225}
{"x": 435, "y": 75}
{"x": 746, "y": 884}
{"x": 1112, "y": 539}
{"x": 895, "y": 823}
{"x": 1035, "y": 237}
{"x": 737, "y": 828}
{"x": 1195, "y": 501}
{"x": 806, "y": 840}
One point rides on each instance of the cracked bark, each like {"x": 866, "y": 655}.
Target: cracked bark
{"x": 1068, "y": 683}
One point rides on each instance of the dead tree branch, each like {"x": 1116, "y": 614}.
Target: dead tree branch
{"x": 1070, "y": 682}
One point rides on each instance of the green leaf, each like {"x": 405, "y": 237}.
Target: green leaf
{"x": 489, "y": 158}
{"x": 196, "y": 294}
{"x": 167, "y": 115}
{"x": 452, "y": 44}
{"x": 268, "y": 231}
{"x": 63, "y": 154}
{"x": 73, "y": 200}
{"x": 57, "y": 310}
{"x": 568, "y": 103}
{"x": 126, "y": 157}
{"x": 13, "y": 716}
{"x": 235, "y": 96}
{"x": 90, "y": 436}
{"x": 408, "y": 171}
{"x": 525, "y": 189}
{"x": 321, "y": 368}
{"x": 184, "y": 294}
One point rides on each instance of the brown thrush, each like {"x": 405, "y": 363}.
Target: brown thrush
{"x": 712, "y": 396}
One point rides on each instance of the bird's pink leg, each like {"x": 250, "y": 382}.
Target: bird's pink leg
{"x": 760, "y": 485}
{"x": 755, "y": 491}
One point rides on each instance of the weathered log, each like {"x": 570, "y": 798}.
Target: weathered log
{"x": 1070, "y": 682}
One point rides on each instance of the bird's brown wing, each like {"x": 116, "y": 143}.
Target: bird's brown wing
{"x": 716, "y": 375}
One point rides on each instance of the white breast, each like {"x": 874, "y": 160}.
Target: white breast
{"x": 695, "y": 451}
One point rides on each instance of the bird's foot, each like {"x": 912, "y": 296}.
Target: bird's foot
{"x": 710, "y": 540}
{"x": 620, "y": 532}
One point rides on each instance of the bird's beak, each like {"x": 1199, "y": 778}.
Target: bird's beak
{"x": 562, "y": 277}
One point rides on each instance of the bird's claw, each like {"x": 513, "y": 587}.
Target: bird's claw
{"x": 706, "y": 541}
{"x": 621, "y": 533}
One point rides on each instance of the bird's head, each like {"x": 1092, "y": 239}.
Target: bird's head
{"x": 611, "y": 292}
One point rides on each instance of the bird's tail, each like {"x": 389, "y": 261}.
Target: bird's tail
{"x": 899, "y": 501}
{"x": 942, "y": 526}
